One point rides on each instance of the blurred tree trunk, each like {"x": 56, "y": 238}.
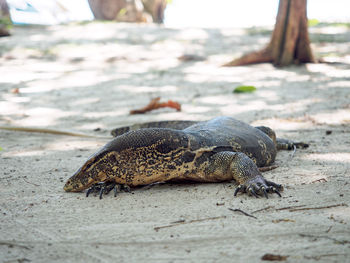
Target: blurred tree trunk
{"x": 289, "y": 43}
{"x": 156, "y": 9}
{"x": 118, "y": 10}
{"x": 106, "y": 9}
{"x": 5, "y": 19}
{"x": 129, "y": 10}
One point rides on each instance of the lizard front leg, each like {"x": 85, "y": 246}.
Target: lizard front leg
{"x": 238, "y": 166}
{"x": 105, "y": 187}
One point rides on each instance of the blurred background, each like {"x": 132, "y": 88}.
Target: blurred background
{"x": 173, "y": 13}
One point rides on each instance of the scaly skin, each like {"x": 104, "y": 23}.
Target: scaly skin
{"x": 221, "y": 149}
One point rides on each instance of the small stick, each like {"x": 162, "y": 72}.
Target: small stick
{"x": 30, "y": 182}
{"x": 241, "y": 211}
{"x": 49, "y": 131}
{"x": 320, "y": 180}
{"x": 329, "y": 229}
{"x": 315, "y": 208}
{"x": 342, "y": 242}
{"x": 288, "y": 207}
{"x": 180, "y": 222}
{"x": 321, "y": 256}
{"x": 262, "y": 209}
{"x": 11, "y": 244}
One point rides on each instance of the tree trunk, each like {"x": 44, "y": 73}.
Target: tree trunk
{"x": 289, "y": 43}
{"x": 5, "y": 19}
{"x": 156, "y": 9}
{"x": 118, "y": 10}
{"x": 106, "y": 9}
{"x": 129, "y": 10}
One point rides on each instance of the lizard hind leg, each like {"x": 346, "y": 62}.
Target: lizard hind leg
{"x": 281, "y": 144}
{"x": 284, "y": 144}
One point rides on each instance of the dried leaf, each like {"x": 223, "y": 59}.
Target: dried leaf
{"x": 190, "y": 57}
{"x": 272, "y": 257}
{"x": 154, "y": 104}
{"x": 15, "y": 91}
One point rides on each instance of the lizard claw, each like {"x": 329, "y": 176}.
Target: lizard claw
{"x": 259, "y": 186}
{"x": 252, "y": 192}
{"x": 274, "y": 190}
{"x": 265, "y": 192}
{"x": 240, "y": 188}
{"x": 105, "y": 187}
{"x": 301, "y": 145}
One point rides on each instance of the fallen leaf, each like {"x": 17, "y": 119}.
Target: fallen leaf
{"x": 154, "y": 104}
{"x": 190, "y": 57}
{"x": 272, "y": 257}
{"x": 15, "y": 91}
{"x": 244, "y": 89}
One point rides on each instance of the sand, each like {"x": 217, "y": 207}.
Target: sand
{"x": 86, "y": 77}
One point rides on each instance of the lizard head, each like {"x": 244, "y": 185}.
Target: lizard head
{"x": 93, "y": 171}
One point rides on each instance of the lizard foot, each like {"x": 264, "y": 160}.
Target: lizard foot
{"x": 105, "y": 187}
{"x": 259, "y": 186}
{"x": 284, "y": 144}
{"x": 301, "y": 145}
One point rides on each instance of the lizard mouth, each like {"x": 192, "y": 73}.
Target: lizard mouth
{"x": 73, "y": 187}
{"x": 72, "y": 184}
{"x": 68, "y": 187}
{"x": 78, "y": 182}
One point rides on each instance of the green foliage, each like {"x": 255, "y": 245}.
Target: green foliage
{"x": 122, "y": 12}
{"x": 0, "y": 149}
{"x": 313, "y": 22}
{"x": 6, "y": 21}
{"x": 244, "y": 89}
{"x": 341, "y": 24}
{"x": 256, "y": 31}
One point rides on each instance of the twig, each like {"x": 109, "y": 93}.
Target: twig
{"x": 50, "y": 131}
{"x": 180, "y": 222}
{"x": 315, "y": 208}
{"x": 321, "y": 256}
{"x": 329, "y": 229}
{"x": 262, "y": 209}
{"x": 319, "y": 180}
{"x": 241, "y": 211}
{"x": 288, "y": 207}
{"x": 12, "y": 244}
{"x": 341, "y": 242}
{"x": 30, "y": 182}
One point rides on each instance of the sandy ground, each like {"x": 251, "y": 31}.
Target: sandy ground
{"x": 86, "y": 78}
